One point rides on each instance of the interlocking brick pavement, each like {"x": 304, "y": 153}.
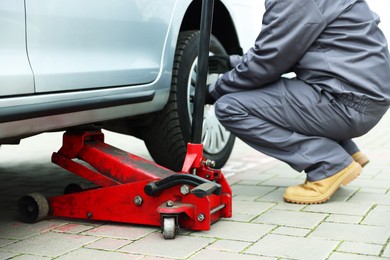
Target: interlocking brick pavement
{"x": 354, "y": 224}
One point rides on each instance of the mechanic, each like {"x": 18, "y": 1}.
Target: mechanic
{"x": 341, "y": 90}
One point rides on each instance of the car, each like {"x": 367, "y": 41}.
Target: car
{"x": 128, "y": 66}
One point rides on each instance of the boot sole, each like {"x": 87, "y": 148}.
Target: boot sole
{"x": 345, "y": 179}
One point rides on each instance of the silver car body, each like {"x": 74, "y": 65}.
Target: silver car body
{"x": 98, "y": 60}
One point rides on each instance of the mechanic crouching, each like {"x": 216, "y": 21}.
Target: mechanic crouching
{"x": 341, "y": 90}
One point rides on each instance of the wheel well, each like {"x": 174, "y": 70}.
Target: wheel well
{"x": 223, "y": 27}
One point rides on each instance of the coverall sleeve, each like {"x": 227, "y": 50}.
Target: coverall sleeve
{"x": 289, "y": 28}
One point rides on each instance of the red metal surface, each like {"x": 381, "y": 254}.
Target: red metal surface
{"x": 193, "y": 157}
{"x": 83, "y": 171}
{"x": 108, "y": 161}
{"x": 121, "y": 178}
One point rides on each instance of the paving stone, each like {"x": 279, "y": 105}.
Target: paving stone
{"x": 365, "y": 197}
{"x": 85, "y": 222}
{"x": 241, "y": 217}
{"x": 249, "y": 179}
{"x": 291, "y": 218}
{"x": 348, "y": 219}
{"x": 49, "y": 244}
{"x": 211, "y": 254}
{"x": 238, "y": 166}
{"x": 246, "y": 182}
{"x": 289, "y": 206}
{"x": 291, "y": 231}
{"x": 293, "y": 247}
{"x": 86, "y": 253}
{"x": 7, "y": 255}
{"x": 109, "y": 244}
{"x": 121, "y": 231}
{"x": 379, "y": 216}
{"x": 382, "y": 176}
{"x": 233, "y": 181}
{"x": 19, "y": 230}
{"x": 4, "y": 242}
{"x": 373, "y": 190}
{"x": 347, "y": 256}
{"x": 250, "y": 232}
{"x": 156, "y": 245}
{"x": 153, "y": 258}
{"x": 251, "y": 207}
{"x": 248, "y": 154}
{"x": 351, "y": 232}
{"x": 249, "y": 193}
{"x": 229, "y": 245}
{"x": 255, "y": 156}
{"x": 386, "y": 253}
{"x": 30, "y": 257}
{"x": 73, "y": 228}
{"x": 376, "y": 183}
{"x": 343, "y": 193}
{"x": 274, "y": 196}
{"x": 288, "y": 173}
{"x": 340, "y": 207}
{"x": 360, "y": 248}
{"x": 369, "y": 173}
{"x": 280, "y": 168}
{"x": 283, "y": 182}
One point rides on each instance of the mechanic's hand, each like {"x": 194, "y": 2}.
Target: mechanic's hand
{"x": 219, "y": 64}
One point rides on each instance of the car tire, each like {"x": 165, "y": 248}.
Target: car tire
{"x": 167, "y": 136}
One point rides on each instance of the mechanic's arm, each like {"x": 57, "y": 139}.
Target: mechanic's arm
{"x": 289, "y": 29}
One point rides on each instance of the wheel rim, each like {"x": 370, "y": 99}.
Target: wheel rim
{"x": 214, "y": 136}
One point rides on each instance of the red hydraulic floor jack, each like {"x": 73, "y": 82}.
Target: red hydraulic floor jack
{"x": 134, "y": 190}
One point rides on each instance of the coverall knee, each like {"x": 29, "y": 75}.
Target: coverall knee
{"x": 290, "y": 120}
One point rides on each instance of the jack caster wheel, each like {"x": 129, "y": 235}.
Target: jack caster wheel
{"x": 75, "y": 187}
{"x": 33, "y": 207}
{"x": 169, "y": 228}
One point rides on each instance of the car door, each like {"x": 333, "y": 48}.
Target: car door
{"x": 15, "y": 73}
{"x": 92, "y": 44}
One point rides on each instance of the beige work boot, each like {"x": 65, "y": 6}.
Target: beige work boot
{"x": 360, "y": 158}
{"x": 320, "y": 191}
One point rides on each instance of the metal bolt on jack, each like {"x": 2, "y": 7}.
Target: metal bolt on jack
{"x": 138, "y": 200}
{"x": 201, "y": 217}
{"x": 170, "y": 203}
{"x": 185, "y": 189}
{"x": 209, "y": 163}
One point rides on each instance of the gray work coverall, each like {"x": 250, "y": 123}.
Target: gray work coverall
{"x": 341, "y": 90}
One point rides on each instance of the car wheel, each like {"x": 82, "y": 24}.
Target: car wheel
{"x": 167, "y": 136}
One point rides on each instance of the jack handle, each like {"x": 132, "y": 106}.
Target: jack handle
{"x": 203, "y": 187}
